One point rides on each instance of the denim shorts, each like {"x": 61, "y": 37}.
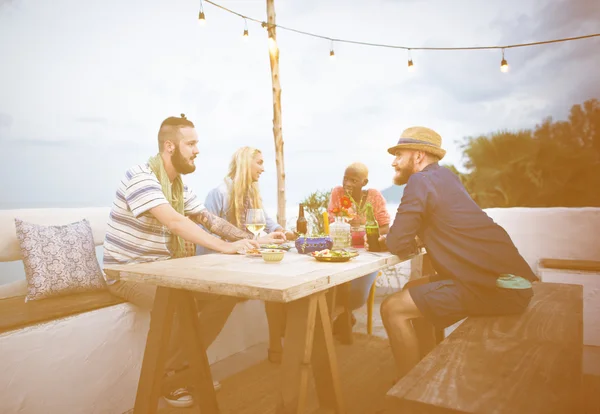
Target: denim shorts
{"x": 446, "y": 302}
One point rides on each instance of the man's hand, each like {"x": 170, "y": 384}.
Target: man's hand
{"x": 419, "y": 242}
{"x": 355, "y": 221}
{"x": 290, "y": 235}
{"x": 382, "y": 243}
{"x": 240, "y": 246}
{"x": 276, "y": 237}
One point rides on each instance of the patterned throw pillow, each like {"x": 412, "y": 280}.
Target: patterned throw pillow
{"x": 59, "y": 260}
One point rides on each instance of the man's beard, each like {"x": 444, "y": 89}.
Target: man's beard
{"x": 181, "y": 164}
{"x": 401, "y": 177}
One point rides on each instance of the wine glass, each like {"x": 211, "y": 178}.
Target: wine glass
{"x": 255, "y": 221}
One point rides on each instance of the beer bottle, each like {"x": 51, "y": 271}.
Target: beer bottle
{"x": 301, "y": 224}
{"x": 372, "y": 229}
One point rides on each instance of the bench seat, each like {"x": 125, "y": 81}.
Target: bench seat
{"x": 529, "y": 363}
{"x": 581, "y": 265}
{"x": 15, "y": 313}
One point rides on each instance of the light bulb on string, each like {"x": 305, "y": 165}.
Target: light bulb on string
{"x": 331, "y": 52}
{"x": 503, "y": 64}
{"x": 411, "y": 65}
{"x": 201, "y": 16}
{"x": 245, "y": 35}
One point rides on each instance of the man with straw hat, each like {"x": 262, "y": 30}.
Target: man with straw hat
{"x": 478, "y": 269}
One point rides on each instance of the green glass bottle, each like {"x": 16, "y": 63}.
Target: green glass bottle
{"x": 372, "y": 229}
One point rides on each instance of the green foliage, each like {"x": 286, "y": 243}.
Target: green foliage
{"x": 314, "y": 206}
{"x": 556, "y": 164}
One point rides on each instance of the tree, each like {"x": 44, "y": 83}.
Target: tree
{"x": 314, "y": 205}
{"x": 556, "y": 164}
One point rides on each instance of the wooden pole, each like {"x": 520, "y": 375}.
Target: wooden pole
{"x": 277, "y": 133}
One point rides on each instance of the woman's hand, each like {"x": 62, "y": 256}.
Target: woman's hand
{"x": 276, "y": 237}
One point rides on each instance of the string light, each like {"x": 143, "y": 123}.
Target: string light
{"x": 503, "y": 64}
{"x": 245, "y": 35}
{"x": 411, "y": 66}
{"x": 331, "y": 52}
{"x": 201, "y": 16}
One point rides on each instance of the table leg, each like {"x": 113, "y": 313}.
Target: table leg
{"x": 200, "y": 375}
{"x": 324, "y": 362}
{"x": 304, "y": 315}
{"x": 155, "y": 354}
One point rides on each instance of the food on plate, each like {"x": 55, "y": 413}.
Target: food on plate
{"x": 333, "y": 253}
{"x": 275, "y": 246}
{"x": 253, "y": 251}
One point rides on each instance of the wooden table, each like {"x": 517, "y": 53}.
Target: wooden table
{"x": 298, "y": 279}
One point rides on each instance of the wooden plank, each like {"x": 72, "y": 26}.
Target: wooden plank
{"x": 529, "y": 363}
{"x": 201, "y": 386}
{"x": 153, "y": 364}
{"x": 296, "y": 276}
{"x": 297, "y": 351}
{"x": 585, "y": 265}
{"x": 324, "y": 363}
{"x": 15, "y": 313}
{"x": 591, "y": 298}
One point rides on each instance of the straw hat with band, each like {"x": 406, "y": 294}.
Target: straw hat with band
{"x": 420, "y": 139}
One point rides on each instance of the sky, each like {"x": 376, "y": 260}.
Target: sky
{"x": 84, "y": 86}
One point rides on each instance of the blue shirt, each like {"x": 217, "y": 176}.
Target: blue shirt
{"x": 463, "y": 242}
{"x": 217, "y": 202}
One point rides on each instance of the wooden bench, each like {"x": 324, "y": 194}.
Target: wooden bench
{"x": 578, "y": 272}
{"x": 580, "y": 265}
{"x": 15, "y": 313}
{"x": 529, "y": 363}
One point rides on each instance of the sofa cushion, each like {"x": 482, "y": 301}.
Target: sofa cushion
{"x": 58, "y": 260}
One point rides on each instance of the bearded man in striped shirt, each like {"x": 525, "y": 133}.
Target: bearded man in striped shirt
{"x": 152, "y": 217}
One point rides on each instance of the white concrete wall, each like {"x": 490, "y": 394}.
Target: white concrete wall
{"x": 89, "y": 363}
{"x": 557, "y": 233}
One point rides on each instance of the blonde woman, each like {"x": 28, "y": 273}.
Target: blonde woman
{"x": 230, "y": 200}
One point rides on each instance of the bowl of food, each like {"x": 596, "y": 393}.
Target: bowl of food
{"x": 272, "y": 255}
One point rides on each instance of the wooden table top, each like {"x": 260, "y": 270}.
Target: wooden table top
{"x": 296, "y": 276}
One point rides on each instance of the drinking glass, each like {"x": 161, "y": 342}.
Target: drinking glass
{"x": 255, "y": 221}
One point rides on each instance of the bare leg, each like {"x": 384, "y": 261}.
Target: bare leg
{"x": 276, "y": 318}
{"x": 396, "y": 313}
{"x": 424, "y": 330}
{"x": 426, "y": 333}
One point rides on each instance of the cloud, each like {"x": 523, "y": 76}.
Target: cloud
{"x": 92, "y": 120}
{"x": 5, "y": 120}
{"x": 105, "y": 92}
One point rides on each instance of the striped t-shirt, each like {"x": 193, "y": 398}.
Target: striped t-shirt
{"x": 133, "y": 234}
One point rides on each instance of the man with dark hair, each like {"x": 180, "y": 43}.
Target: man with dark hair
{"x": 479, "y": 270}
{"x": 152, "y": 216}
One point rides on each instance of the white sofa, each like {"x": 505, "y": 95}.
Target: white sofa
{"x": 90, "y": 362}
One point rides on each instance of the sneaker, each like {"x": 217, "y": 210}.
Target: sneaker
{"x": 179, "y": 398}
{"x": 182, "y": 398}
{"x": 217, "y": 385}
